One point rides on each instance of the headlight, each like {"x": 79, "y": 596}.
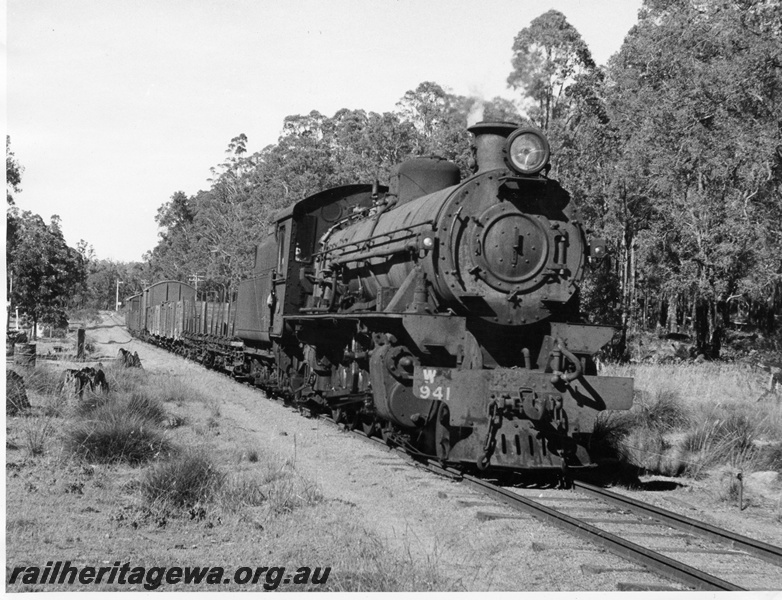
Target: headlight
{"x": 527, "y": 151}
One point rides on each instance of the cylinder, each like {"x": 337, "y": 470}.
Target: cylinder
{"x": 24, "y": 355}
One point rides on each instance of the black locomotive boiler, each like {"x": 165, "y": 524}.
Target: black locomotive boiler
{"x": 439, "y": 312}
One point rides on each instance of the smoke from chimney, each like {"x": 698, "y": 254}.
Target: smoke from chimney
{"x": 475, "y": 114}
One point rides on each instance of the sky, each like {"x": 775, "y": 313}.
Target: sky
{"x": 115, "y": 105}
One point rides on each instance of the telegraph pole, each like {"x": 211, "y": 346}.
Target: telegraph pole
{"x": 116, "y": 297}
{"x": 195, "y": 278}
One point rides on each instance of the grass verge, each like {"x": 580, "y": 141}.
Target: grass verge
{"x": 694, "y": 419}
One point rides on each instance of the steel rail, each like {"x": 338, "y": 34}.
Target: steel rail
{"x": 767, "y": 552}
{"x": 654, "y": 561}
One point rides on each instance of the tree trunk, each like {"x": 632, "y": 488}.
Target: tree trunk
{"x": 662, "y": 314}
{"x": 673, "y": 308}
{"x": 631, "y": 282}
{"x": 719, "y": 318}
{"x": 701, "y": 326}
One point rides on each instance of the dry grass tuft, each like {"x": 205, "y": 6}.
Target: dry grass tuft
{"x": 716, "y": 442}
{"x": 663, "y": 411}
{"x": 167, "y": 388}
{"x": 188, "y": 480}
{"x": 123, "y": 379}
{"x": 137, "y": 402}
{"x": 280, "y": 489}
{"x": 116, "y": 432}
{"x": 36, "y": 432}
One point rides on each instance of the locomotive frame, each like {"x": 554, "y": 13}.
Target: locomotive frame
{"x": 437, "y": 312}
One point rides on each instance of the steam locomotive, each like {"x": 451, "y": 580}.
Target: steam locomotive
{"x": 437, "y": 312}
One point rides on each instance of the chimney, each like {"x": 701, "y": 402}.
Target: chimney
{"x": 489, "y": 143}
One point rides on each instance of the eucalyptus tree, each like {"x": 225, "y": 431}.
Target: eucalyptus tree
{"x": 45, "y": 271}
{"x": 695, "y": 101}
{"x": 548, "y": 56}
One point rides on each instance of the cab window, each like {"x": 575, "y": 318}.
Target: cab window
{"x": 305, "y": 239}
{"x": 281, "y": 237}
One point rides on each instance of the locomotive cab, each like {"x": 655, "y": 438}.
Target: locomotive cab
{"x": 282, "y": 280}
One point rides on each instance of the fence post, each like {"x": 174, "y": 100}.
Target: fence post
{"x": 80, "y": 343}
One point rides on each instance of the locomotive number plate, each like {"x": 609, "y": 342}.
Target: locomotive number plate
{"x": 432, "y": 384}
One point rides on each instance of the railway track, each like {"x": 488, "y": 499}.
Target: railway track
{"x": 692, "y": 553}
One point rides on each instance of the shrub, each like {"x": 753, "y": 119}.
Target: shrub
{"x": 115, "y": 433}
{"x": 648, "y": 449}
{"x": 663, "y": 412}
{"x": 183, "y": 481}
{"x": 721, "y": 441}
{"x": 147, "y": 407}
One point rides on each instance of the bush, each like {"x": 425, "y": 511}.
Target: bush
{"x": 145, "y": 406}
{"x": 114, "y": 432}
{"x": 184, "y": 481}
{"x": 663, "y": 412}
{"x": 721, "y": 441}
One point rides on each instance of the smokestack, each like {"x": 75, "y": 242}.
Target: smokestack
{"x": 489, "y": 143}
